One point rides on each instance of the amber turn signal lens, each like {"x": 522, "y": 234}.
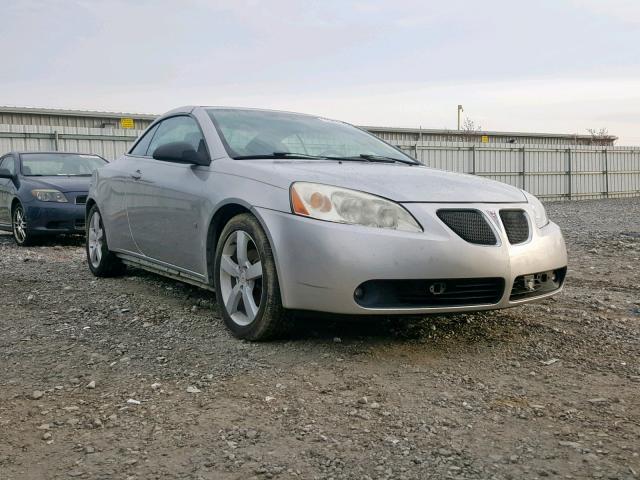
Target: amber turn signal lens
{"x": 297, "y": 204}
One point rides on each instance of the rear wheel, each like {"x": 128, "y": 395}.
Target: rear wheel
{"x": 21, "y": 234}
{"x": 102, "y": 262}
{"x": 247, "y": 288}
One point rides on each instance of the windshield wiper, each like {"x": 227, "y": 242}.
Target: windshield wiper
{"x": 294, "y": 155}
{"x": 364, "y": 157}
{"x": 382, "y": 158}
{"x": 278, "y": 155}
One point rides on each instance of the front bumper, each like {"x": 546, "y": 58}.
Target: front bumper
{"x": 52, "y": 217}
{"x": 320, "y": 264}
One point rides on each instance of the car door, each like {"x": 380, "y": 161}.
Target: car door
{"x": 116, "y": 181}
{"x": 7, "y": 190}
{"x": 166, "y": 203}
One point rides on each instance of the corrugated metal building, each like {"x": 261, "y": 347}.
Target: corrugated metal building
{"x": 396, "y": 136}
{"x": 73, "y": 118}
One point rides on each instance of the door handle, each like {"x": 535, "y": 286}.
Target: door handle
{"x": 137, "y": 175}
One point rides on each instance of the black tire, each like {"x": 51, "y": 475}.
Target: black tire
{"x": 271, "y": 318}
{"x": 19, "y": 227}
{"x": 103, "y": 263}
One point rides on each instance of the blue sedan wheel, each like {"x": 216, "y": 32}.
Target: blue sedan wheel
{"x": 19, "y": 223}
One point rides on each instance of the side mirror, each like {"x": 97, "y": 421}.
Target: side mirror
{"x": 180, "y": 152}
{"x": 4, "y": 173}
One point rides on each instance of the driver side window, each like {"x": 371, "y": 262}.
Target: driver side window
{"x": 178, "y": 129}
{"x": 9, "y": 164}
{"x": 140, "y": 149}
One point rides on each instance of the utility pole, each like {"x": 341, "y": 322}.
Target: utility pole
{"x": 460, "y": 109}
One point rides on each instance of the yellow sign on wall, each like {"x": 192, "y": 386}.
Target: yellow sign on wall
{"x": 485, "y": 138}
{"x": 126, "y": 123}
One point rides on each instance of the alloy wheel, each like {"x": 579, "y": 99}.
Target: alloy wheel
{"x": 241, "y": 277}
{"x": 19, "y": 225}
{"x": 96, "y": 236}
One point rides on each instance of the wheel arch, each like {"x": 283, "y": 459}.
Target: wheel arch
{"x": 88, "y": 206}
{"x": 16, "y": 201}
{"x": 220, "y": 218}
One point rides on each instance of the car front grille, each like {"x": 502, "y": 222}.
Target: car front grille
{"x": 537, "y": 284}
{"x": 470, "y": 225}
{"x": 451, "y": 292}
{"x": 516, "y": 225}
{"x": 81, "y": 199}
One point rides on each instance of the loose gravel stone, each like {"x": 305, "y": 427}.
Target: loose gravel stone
{"x": 37, "y": 395}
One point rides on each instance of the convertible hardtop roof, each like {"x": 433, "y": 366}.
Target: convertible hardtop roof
{"x": 190, "y": 108}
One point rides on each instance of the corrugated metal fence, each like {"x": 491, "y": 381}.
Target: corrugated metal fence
{"x": 550, "y": 172}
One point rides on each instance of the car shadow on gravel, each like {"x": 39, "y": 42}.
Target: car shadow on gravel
{"x": 320, "y": 327}
{"x": 48, "y": 241}
{"x": 469, "y": 328}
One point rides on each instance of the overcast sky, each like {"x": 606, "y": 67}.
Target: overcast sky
{"x": 552, "y": 65}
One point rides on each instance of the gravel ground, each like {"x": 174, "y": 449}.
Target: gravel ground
{"x": 136, "y": 378}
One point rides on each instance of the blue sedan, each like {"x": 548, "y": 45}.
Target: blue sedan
{"x": 44, "y": 193}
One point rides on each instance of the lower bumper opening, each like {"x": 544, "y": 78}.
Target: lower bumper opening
{"x": 65, "y": 225}
{"x": 536, "y": 284}
{"x": 59, "y": 225}
{"x": 447, "y": 292}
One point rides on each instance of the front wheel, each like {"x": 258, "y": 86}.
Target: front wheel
{"x": 247, "y": 288}
{"x": 21, "y": 234}
{"x": 102, "y": 262}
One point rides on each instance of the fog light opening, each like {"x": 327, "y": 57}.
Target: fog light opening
{"x": 359, "y": 293}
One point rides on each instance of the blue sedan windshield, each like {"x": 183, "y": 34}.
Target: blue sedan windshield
{"x": 249, "y": 133}
{"x": 51, "y": 164}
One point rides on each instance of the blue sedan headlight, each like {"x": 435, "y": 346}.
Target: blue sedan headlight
{"x": 342, "y": 205}
{"x": 49, "y": 195}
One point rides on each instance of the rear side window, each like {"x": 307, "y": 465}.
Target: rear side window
{"x": 178, "y": 129}
{"x": 143, "y": 145}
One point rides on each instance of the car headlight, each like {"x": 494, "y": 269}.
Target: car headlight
{"x": 539, "y": 213}
{"x": 49, "y": 195}
{"x": 341, "y": 205}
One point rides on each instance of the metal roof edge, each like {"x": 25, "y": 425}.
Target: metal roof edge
{"x": 480, "y": 132}
{"x": 73, "y": 113}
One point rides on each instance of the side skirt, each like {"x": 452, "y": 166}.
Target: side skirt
{"x": 163, "y": 270}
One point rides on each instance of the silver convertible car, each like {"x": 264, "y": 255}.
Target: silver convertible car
{"x": 280, "y": 212}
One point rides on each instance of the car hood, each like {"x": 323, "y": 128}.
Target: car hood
{"x": 61, "y": 183}
{"x": 401, "y": 183}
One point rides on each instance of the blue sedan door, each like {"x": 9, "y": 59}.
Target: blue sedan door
{"x": 7, "y": 191}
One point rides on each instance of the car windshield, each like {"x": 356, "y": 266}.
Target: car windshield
{"x": 67, "y": 164}
{"x": 265, "y": 134}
